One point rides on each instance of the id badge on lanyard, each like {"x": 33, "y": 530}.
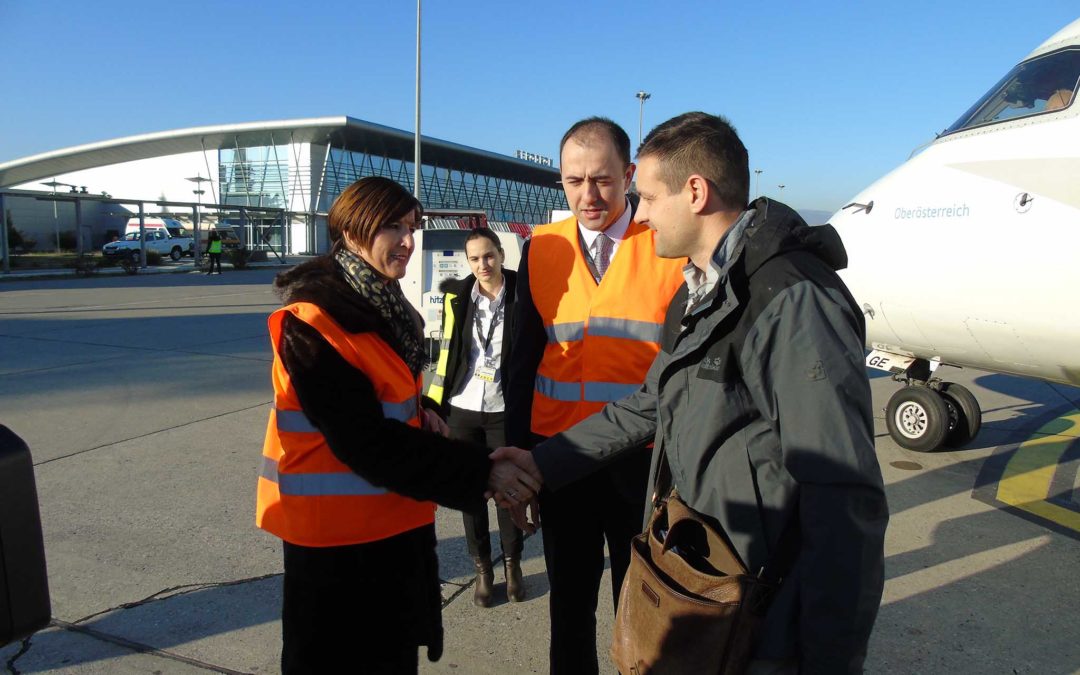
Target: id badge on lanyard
{"x": 488, "y": 365}
{"x": 486, "y": 370}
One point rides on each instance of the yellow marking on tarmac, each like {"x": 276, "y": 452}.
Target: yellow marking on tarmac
{"x": 1026, "y": 481}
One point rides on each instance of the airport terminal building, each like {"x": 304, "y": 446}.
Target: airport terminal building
{"x": 274, "y": 180}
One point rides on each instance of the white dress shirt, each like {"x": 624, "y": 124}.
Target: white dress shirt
{"x": 616, "y": 232}
{"x": 476, "y": 394}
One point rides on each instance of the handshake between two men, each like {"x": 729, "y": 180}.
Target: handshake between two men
{"x": 515, "y": 483}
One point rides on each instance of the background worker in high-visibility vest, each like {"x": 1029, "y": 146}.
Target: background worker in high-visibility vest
{"x": 469, "y": 383}
{"x": 213, "y": 252}
{"x": 351, "y": 468}
{"x": 591, "y": 302}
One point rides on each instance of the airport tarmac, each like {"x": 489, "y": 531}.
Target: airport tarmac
{"x": 144, "y": 400}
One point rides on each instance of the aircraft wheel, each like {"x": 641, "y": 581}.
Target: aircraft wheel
{"x": 917, "y": 418}
{"x": 965, "y": 416}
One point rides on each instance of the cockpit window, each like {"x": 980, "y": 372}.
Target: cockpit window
{"x": 1041, "y": 85}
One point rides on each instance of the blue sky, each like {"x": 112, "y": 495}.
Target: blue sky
{"x": 827, "y": 96}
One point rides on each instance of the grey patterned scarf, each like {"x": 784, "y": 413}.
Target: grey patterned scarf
{"x": 402, "y": 326}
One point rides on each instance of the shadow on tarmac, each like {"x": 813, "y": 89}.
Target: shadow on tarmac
{"x": 192, "y": 614}
{"x": 967, "y": 590}
{"x": 973, "y": 588}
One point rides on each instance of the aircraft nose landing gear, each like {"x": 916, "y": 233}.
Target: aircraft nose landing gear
{"x": 917, "y": 418}
{"x": 927, "y": 413}
{"x": 965, "y": 417}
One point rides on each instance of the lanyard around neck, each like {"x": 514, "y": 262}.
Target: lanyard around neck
{"x": 486, "y": 343}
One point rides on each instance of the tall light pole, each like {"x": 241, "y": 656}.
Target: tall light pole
{"x": 56, "y": 223}
{"x": 781, "y": 186}
{"x": 198, "y": 180}
{"x": 642, "y": 96}
{"x": 757, "y": 183}
{"x": 416, "y": 141}
{"x": 198, "y": 192}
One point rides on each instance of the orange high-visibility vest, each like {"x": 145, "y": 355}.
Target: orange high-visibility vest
{"x": 306, "y": 496}
{"x": 601, "y": 339}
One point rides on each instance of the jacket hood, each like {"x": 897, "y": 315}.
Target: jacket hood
{"x": 778, "y": 229}
{"x": 455, "y": 285}
{"x": 322, "y": 282}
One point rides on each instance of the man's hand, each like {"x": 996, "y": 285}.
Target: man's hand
{"x": 431, "y": 421}
{"x": 515, "y": 478}
{"x": 521, "y": 521}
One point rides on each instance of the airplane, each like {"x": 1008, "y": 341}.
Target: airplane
{"x": 967, "y": 254}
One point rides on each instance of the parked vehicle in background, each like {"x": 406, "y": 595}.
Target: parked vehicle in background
{"x": 171, "y": 225}
{"x": 229, "y": 238}
{"x": 164, "y": 235}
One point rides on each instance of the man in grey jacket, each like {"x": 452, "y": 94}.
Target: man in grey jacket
{"x": 759, "y": 397}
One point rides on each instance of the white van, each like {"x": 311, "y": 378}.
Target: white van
{"x": 172, "y": 227}
{"x": 166, "y": 236}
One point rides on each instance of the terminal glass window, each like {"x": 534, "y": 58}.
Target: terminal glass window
{"x": 254, "y": 176}
{"x": 1041, "y": 85}
{"x": 447, "y": 187}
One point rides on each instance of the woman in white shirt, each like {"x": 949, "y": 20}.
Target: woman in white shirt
{"x": 469, "y": 381}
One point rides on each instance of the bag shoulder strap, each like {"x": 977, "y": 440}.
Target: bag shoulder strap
{"x": 782, "y": 557}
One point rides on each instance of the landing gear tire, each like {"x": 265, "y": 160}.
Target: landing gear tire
{"x": 965, "y": 416}
{"x": 917, "y": 418}
{"x": 176, "y": 253}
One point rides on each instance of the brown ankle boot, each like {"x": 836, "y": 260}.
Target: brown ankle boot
{"x": 485, "y": 582}
{"x": 515, "y": 587}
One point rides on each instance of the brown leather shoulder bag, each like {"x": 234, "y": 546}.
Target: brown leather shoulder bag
{"x": 688, "y": 604}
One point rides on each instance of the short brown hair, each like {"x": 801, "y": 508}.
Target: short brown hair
{"x": 365, "y": 206}
{"x": 703, "y": 144}
{"x": 599, "y": 126}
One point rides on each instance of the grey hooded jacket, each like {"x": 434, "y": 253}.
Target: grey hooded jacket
{"x": 761, "y": 401}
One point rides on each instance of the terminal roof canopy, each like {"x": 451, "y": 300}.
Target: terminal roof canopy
{"x": 339, "y": 132}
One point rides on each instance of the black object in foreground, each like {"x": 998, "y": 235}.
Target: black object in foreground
{"x": 24, "y": 584}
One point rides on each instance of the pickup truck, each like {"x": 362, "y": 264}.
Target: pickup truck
{"x": 157, "y": 239}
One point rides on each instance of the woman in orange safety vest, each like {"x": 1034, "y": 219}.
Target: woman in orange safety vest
{"x": 351, "y": 468}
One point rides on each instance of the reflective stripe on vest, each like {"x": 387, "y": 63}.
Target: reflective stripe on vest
{"x": 402, "y": 412}
{"x": 436, "y": 389}
{"x": 565, "y": 332}
{"x": 294, "y": 421}
{"x": 297, "y": 422}
{"x": 603, "y": 337}
{"x": 604, "y": 392}
{"x": 307, "y": 496}
{"x": 628, "y": 329}
{"x": 606, "y": 326}
{"x": 311, "y": 484}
